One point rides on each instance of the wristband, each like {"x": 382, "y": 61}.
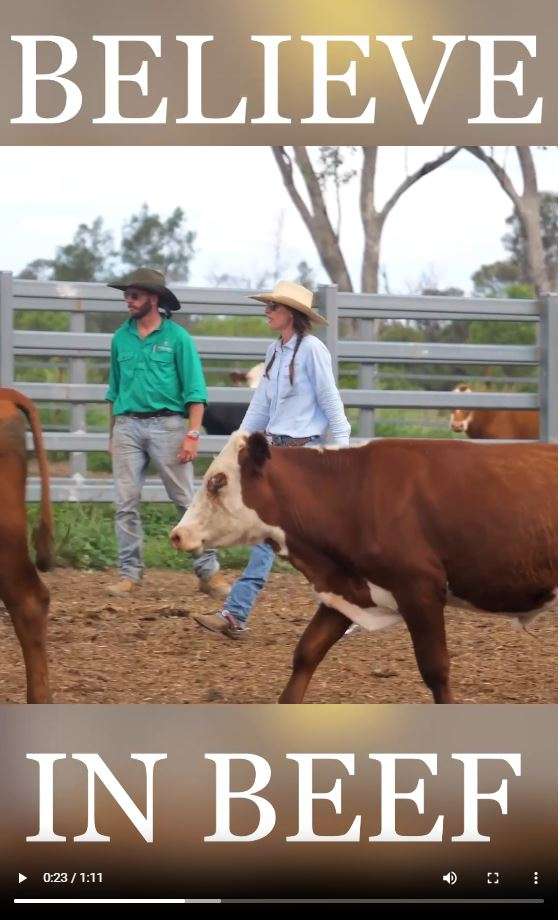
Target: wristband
{"x": 193, "y": 433}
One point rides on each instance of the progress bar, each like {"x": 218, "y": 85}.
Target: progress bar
{"x": 117, "y": 901}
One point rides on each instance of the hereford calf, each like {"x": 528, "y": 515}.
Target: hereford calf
{"x": 22, "y": 591}
{"x": 495, "y": 424}
{"x": 386, "y": 532}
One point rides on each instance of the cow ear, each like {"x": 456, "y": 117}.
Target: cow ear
{"x": 216, "y": 483}
{"x": 258, "y": 450}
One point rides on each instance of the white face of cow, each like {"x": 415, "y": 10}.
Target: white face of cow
{"x": 461, "y": 418}
{"x": 218, "y": 516}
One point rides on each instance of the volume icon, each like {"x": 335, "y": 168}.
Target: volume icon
{"x": 450, "y": 878}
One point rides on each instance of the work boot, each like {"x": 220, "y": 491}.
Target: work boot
{"x": 122, "y": 588}
{"x": 224, "y": 623}
{"x": 216, "y": 586}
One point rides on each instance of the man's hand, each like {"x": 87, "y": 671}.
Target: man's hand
{"x": 188, "y": 450}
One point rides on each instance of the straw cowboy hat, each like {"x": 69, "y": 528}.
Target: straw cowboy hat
{"x": 149, "y": 279}
{"x": 292, "y": 295}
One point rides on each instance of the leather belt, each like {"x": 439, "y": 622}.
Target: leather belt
{"x": 157, "y": 414}
{"x": 284, "y": 440}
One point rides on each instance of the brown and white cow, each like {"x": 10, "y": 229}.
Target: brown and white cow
{"x": 22, "y": 591}
{"x": 496, "y": 424}
{"x": 386, "y": 532}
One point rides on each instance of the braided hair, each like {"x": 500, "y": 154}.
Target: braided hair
{"x": 302, "y": 327}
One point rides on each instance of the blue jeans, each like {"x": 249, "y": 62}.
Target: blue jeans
{"x": 136, "y": 441}
{"x": 243, "y": 595}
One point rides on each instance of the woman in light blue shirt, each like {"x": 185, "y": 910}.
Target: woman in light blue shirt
{"x": 295, "y": 403}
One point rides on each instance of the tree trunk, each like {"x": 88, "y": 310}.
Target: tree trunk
{"x": 530, "y": 215}
{"x": 527, "y": 207}
{"x": 529, "y": 212}
{"x": 372, "y": 248}
{"x": 315, "y": 218}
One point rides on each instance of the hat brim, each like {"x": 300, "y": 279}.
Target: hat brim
{"x": 313, "y": 315}
{"x": 167, "y": 298}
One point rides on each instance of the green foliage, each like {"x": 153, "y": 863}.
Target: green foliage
{"x": 147, "y": 239}
{"x": 85, "y": 538}
{"x": 88, "y": 257}
{"x": 42, "y": 320}
{"x": 496, "y": 279}
{"x": 245, "y": 326}
{"x": 490, "y": 280}
{"x": 38, "y": 270}
{"x": 499, "y": 333}
{"x": 163, "y": 244}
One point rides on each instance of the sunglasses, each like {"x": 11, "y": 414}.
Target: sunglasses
{"x": 134, "y": 295}
{"x": 271, "y": 307}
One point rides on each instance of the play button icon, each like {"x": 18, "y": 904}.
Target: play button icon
{"x": 21, "y": 878}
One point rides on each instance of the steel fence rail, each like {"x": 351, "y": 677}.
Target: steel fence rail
{"x": 82, "y": 344}
{"x": 402, "y": 399}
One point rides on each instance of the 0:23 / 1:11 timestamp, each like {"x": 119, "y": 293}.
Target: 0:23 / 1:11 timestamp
{"x": 65, "y": 878}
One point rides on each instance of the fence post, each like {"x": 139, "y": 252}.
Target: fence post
{"x": 78, "y": 459}
{"x": 326, "y": 300}
{"x": 548, "y": 368}
{"x": 367, "y": 379}
{"x": 6, "y": 330}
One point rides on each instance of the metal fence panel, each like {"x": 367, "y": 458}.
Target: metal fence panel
{"x": 79, "y": 299}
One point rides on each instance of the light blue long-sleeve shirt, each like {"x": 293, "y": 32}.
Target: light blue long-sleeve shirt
{"x": 308, "y": 407}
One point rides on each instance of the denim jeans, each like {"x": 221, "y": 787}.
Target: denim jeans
{"x": 244, "y": 592}
{"x": 136, "y": 441}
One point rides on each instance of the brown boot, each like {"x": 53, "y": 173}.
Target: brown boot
{"x": 216, "y": 586}
{"x": 123, "y": 587}
{"x": 223, "y": 623}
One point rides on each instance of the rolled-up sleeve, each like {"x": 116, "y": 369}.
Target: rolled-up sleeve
{"x": 189, "y": 369}
{"x": 113, "y": 388}
{"x": 319, "y": 369}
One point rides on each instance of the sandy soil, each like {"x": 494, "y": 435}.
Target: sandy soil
{"x": 149, "y": 650}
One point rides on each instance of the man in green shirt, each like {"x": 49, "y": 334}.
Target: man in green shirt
{"x": 155, "y": 381}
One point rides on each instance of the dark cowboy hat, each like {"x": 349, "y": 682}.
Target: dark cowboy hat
{"x": 149, "y": 279}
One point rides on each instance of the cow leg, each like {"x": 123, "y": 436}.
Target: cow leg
{"x": 326, "y": 628}
{"x": 28, "y": 607}
{"x": 422, "y": 608}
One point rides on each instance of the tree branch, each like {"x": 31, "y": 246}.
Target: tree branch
{"x": 285, "y": 166}
{"x": 415, "y": 177}
{"x": 317, "y": 219}
{"x": 498, "y": 171}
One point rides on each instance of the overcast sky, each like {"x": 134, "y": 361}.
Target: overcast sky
{"x": 446, "y": 226}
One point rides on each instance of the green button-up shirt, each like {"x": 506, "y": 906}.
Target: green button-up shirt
{"x": 161, "y": 371}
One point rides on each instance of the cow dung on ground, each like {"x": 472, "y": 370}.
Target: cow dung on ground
{"x": 149, "y": 650}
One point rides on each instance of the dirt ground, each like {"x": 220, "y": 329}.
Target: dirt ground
{"x": 149, "y": 650}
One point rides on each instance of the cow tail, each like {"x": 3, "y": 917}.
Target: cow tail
{"x": 43, "y": 538}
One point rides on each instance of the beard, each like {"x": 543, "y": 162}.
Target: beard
{"x": 141, "y": 312}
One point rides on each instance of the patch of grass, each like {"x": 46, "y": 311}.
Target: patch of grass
{"x": 85, "y": 538}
